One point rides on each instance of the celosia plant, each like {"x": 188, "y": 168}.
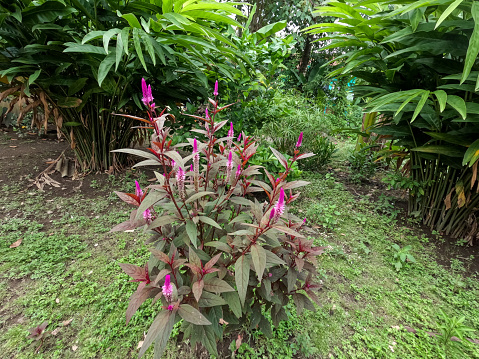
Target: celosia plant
{"x": 219, "y": 255}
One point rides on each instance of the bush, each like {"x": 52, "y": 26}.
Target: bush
{"x": 209, "y": 233}
{"x": 362, "y": 165}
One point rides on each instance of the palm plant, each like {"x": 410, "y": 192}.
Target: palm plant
{"x": 418, "y": 64}
{"x": 81, "y": 61}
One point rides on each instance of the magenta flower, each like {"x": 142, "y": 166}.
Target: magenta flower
{"x": 147, "y": 216}
{"x": 215, "y": 92}
{"x": 300, "y": 140}
{"x": 271, "y": 214}
{"x": 138, "y": 190}
{"x": 196, "y": 163}
{"x": 167, "y": 288}
{"x": 195, "y": 146}
{"x": 147, "y": 95}
{"x": 180, "y": 178}
{"x": 170, "y": 308}
{"x": 231, "y": 133}
{"x": 207, "y": 115}
{"x": 238, "y": 172}
{"x": 191, "y": 168}
{"x": 239, "y": 137}
{"x": 229, "y": 166}
{"x": 279, "y": 207}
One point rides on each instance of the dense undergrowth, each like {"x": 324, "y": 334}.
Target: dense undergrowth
{"x": 63, "y": 270}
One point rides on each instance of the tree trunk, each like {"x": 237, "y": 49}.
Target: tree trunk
{"x": 303, "y": 65}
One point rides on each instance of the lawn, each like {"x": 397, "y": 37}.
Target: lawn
{"x": 65, "y": 272}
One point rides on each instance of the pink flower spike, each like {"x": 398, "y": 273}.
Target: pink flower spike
{"x": 139, "y": 192}
{"x": 231, "y": 132}
{"x": 239, "y": 137}
{"x": 207, "y": 115}
{"x": 195, "y": 146}
{"x": 147, "y": 216}
{"x": 215, "y": 91}
{"x": 170, "y": 308}
{"x": 304, "y": 221}
{"x": 271, "y": 214}
{"x": 279, "y": 207}
{"x": 300, "y": 140}
{"x": 191, "y": 167}
{"x": 144, "y": 88}
{"x": 230, "y": 159}
{"x": 167, "y": 288}
{"x": 238, "y": 171}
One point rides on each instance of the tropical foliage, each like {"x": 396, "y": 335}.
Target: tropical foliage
{"x": 78, "y": 62}
{"x": 418, "y": 64}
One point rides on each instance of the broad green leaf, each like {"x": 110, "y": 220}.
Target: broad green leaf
{"x": 132, "y": 20}
{"x": 458, "y": 104}
{"x": 105, "y": 67}
{"x": 209, "y": 221}
{"x": 258, "y": 255}
{"x": 447, "y": 12}
{"x": 192, "y": 315}
{"x": 125, "y": 33}
{"x": 160, "y": 329}
{"x": 139, "y": 51}
{"x": 161, "y": 221}
{"x": 210, "y": 300}
{"x": 147, "y": 41}
{"x": 198, "y": 195}
{"x": 420, "y": 105}
{"x": 441, "y": 98}
{"x": 107, "y": 36}
{"x": 167, "y": 6}
{"x": 119, "y": 50}
{"x": 408, "y": 100}
{"x": 233, "y": 301}
{"x": 150, "y": 199}
{"x": 212, "y": 6}
{"x": 447, "y": 150}
{"x": 34, "y": 76}
{"x": 473, "y": 48}
{"x": 272, "y": 259}
{"x": 265, "y": 327}
{"x": 242, "y": 276}
{"x": 84, "y": 48}
{"x": 216, "y": 285}
{"x": 219, "y": 245}
{"x": 472, "y": 154}
{"x": 192, "y": 232}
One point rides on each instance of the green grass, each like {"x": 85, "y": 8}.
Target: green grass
{"x": 66, "y": 268}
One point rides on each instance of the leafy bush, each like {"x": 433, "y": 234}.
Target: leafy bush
{"x": 209, "y": 233}
{"x": 264, "y": 157}
{"x": 362, "y": 166}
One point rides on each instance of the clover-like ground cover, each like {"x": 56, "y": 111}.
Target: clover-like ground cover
{"x": 66, "y": 269}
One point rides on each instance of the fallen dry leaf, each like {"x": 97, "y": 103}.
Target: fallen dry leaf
{"x": 55, "y": 331}
{"x": 67, "y": 322}
{"x": 222, "y": 321}
{"x": 140, "y": 343}
{"x": 16, "y": 244}
{"x": 13, "y": 146}
{"x": 74, "y": 348}
{"x": 238, "y": 341}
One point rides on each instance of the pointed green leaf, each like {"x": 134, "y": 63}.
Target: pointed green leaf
{"x": 107, "y": 36}
{"x": 125, "y": 34}
{"x": 441, "y": 96}
{"x": 159, "y": 330}
{"x": 192, "y": 315}
{"x": 192, "y": 232}
{"x": 458, "y": 104}
{"x": 420, "y": 105}
{"x": 210, "y": 300}
{"x": 198, "y": 195}
{"x": 139, "y": 51}
{"x": 472, "y": 154}
{"x": 242, "y": 277}
{"x": 258, "y": 254}
{"x": 233, "y": 301}
{"x": 105, "y": 67}
{"x": 216, "y": 285}
{"x": 473, "y": 48}
{"x": 132, "y": 20}
{"x": 447, "y": 12}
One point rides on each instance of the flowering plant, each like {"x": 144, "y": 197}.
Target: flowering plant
{"x": 220, "y": 255}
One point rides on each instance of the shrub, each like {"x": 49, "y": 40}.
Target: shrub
{"x": 219, "y": 256}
